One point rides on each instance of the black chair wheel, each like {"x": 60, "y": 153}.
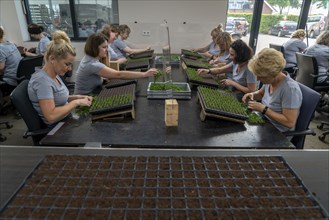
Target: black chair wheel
{"x": 8, "y": 125}
{"x": 321, "y": 137}
{"x": 320, "y": 126}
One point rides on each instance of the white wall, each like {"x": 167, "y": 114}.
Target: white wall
{"x": 189, "y": 22}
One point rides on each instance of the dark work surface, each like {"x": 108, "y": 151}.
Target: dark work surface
{"x": 16, "y": 163}
{"x": 148, "y": 129}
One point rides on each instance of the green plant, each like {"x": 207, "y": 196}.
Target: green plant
{"x": 158, "y": 75}
{"x": 165, "y": 86}
{"x": 110, "y": 102}
{"x": 222, "y": 101}
{"x": 193, "y": 74}
{"x": 255, "y": 118}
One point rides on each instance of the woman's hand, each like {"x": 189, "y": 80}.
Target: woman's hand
{"x": 257, "y": 106}
{"x": 84, "y": 100}
{"x": 202, "y": 72}
{"x": 228, "y": 82}
{"x": 248, "y": 97}
{"x": 151, "y": 72}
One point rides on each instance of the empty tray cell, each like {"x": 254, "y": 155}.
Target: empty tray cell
{"x": 162, "y": 90}
{"x": 221, "y": 103}
{"x": 118, "y": 187}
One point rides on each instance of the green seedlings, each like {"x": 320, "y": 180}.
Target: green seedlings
{"x": 197, "y": 63}
{"x": 222, "y": 101}
{"x": 255, "y": 118}
{"x": 164, "y": 86}
{"x": 193, "y": 74}
{"x": 158, "y": 75}
{"x": 110, "y": 102}
{"x": 191, "y": 54}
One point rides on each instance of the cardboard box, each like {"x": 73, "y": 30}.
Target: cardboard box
{"x": 171, "y": 112}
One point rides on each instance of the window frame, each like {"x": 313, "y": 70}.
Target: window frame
{"x": 72, "y": 4}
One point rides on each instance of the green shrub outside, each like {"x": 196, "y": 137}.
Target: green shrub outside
{"x": 267, "y": 20}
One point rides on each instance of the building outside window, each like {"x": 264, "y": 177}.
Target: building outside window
{"x": 78, "y": 18}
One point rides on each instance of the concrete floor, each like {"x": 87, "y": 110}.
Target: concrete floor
{"x": 14, "y": 135}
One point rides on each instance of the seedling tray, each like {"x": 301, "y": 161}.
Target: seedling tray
{"x": 197, "y": 64}
{"x": 164, "y": 94}
{"x": 190, "y": 54}
{"x": 113, "y": 187}
{"x": 197, "y": 80}
{"x": 221, "y": 103}
{"x": 119, "y": 82}
{"x": 141, "y": 63}
{"x": 121, "y": 98}
{"x": 148, "y": 53}
{"x": 174, "y": 59}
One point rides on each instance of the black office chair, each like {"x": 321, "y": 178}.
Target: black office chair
{"x": 37, "y": 129}
{"x": 26, "y": 67}
{"x": 307, "y": 75}
{"x": 310, "y": 101}
{"x": 277, "y": 47}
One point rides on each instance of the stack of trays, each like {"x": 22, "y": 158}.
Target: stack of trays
{"x": 138, "y": 63}
{"x": 221, "y": 104}
{"x": 176, "y": 90}
{"x": 191, "y": 55}
{"x": 113, "y": 101}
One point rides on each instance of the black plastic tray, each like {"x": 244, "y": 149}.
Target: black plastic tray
{"x": 190, "y": 54}
{"x": 122, "y": 90}
{"x": 144, "y": 64}
{"x": 110, "y": 187}
{"x": 148, "y": 53}
{"x": 195, "y": 63}
{"x": 219, "y": 112}
{"x": 119, "y": 82}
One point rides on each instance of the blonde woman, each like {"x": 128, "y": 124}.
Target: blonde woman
{"x": 280, "y": 95}
{"x": 47, "y": 92}
{"x": 212, "y": 49}
{"x": 224, "y": 41}
{"x": 295, "y": 44}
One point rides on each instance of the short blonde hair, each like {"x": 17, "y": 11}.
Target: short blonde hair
{"x": 298, "y": 33}
{"x": 60, "y": 46}
{"x": 226, "y": 39}
{"x": 268, "y": 62}
{"x": 323, "y": 38}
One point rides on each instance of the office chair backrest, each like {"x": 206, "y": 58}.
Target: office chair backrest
{"x": 307, "y": 66}
{"x": 27, "y": 65}
{"x": 21, "y": 101}
{"x": 277, "y": 47}
{"x": 310, "y": 101}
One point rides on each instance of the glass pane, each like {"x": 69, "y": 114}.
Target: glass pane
{"x": 52, "y": 15}
{"x": 91, "y": 15}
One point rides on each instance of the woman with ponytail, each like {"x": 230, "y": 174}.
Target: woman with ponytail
{"x": 47, "y": 92}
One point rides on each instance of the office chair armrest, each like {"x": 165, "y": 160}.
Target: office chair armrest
{"x": 316, "y": 76}
{"x": 299, "y": 133}
{"x": 36, "y": 133}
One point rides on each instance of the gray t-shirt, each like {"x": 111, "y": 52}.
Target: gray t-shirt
{"x": 244, "y": 77}
{"x": 213, "y": 49}
{"x": 290, "y": 48}
{"x": 88, "y": 78}
{"x": 42, "y": 45}
{"x": 112, "y": 54}
{"x": 41, "y": 86}
{"x": 118, "y": 45}
{"x": 321, "y": 53}
{"x": 10, "y": 56}
{"x": 287, "y": 95}
{"x": 224, "y": 58}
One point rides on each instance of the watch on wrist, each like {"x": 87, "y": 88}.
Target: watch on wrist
{"x": 264, "y": 110}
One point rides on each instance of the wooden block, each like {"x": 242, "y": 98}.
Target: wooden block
{"x": 171, "y": 112}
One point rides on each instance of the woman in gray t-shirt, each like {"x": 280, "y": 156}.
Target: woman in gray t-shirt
{"x": 94, "y": 67}
{"x": 295, "y": 44}
{"x": 280, "y": 95}
{"x": 242, "y": 80}
{"x": 320, "y": 50}
{"x": 47, "y": 92}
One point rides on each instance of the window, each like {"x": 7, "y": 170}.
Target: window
{"x": 78, "y": 18}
